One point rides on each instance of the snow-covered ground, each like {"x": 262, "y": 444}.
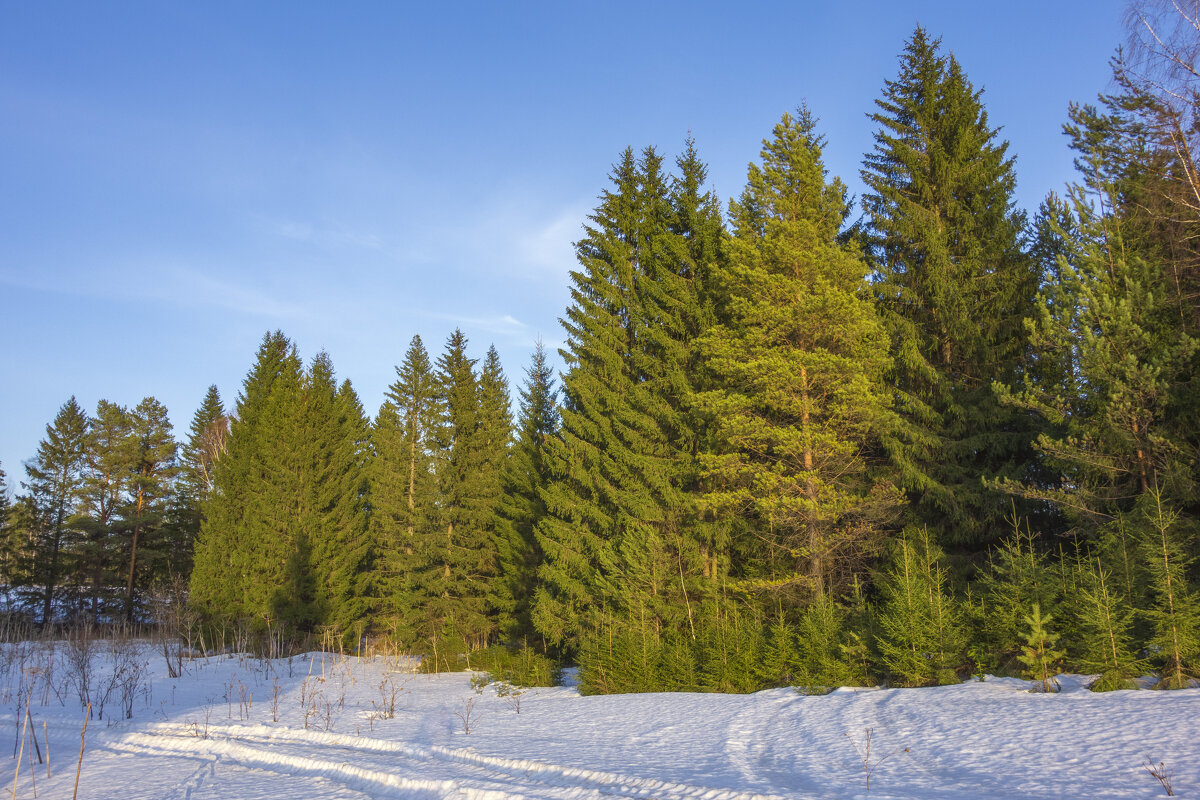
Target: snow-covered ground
{"x": 319, "y": 727}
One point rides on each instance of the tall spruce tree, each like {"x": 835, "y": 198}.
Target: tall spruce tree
{"x": 334, "y": 521}
{"x": 208, "y": 437}
{"x": 248, "y": 561}
{"x": 955, "y": 287}
{"x": 619, "y": 519}
{"x": 403, "y": 486}
{"x": 521, "y": 507}
{"x": 799, "y": 405}
{"x": 457, "y": 566}
{"x": 54, "y": 478}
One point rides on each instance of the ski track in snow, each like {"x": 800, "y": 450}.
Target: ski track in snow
{"x": 376, "y": 766}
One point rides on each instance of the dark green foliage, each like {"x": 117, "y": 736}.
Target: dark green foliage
{"x": 521, "y": 666}
{"x": 54, "y": 477}
{"x": 207, "y": 439}
{"x": 334, "y": 512}
{"x": 521, "y": 507}
{"x": 1017, "y": 578}
{"x": 620, "y": 535}
{"x": 250, "y": 555}
{"x": 730, "y": 639}
{"x": 830, "y": 653}
{"x": 1123, "y": 407}
{"x": 456, "y": 564}
{"x": 748, "y": 419}
{"x": 12, "y": 546}
{"x": 403, "y": 487}
{"x": 955, "y": 288}
{"x": 778, "y": 664}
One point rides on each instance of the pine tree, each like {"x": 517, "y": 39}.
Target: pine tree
{"x": 800, "y": 407}
{"x": 54, "y": 479}
{"x": 109, "y": 459}
{"x": 955, "y": 288}
{"x": 152, "y": 469}
{"x": 403, "y": 488}
{"x": 1129, "y": 407}
{"x": 521, "y": 507}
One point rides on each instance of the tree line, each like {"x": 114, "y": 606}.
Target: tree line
{"x": 789, "y": 445}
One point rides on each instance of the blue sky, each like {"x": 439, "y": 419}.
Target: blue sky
{"x": 177, "y": 179}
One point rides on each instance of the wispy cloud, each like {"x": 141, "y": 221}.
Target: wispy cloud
{"x": 197, "y": 288}
{"x": 499, "y": 325}
{"x": 175, "y": 284}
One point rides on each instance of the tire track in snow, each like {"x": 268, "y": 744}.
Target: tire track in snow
{"x": 483, "y": 777}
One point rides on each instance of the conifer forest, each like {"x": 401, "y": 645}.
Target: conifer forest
{"x": 797, "y": 438}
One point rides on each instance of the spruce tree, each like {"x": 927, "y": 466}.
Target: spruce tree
{"x": 921, "y": 636}
{"x": 800, "y": 407}
{"x": 1175, "y": 615}
{"x": 521, "y": 507}
{"x": 334, "y": 522}
{"x": 622, "y": 541}
{"x": 588, "y": 463}
{"x": 403, "y": 487}
{"x": 54, "y": 478}
{"x": 456, "y": 566}
{"x": 1038, "y": 655}
{"x": 248, "y": 562}
{"x": 1017, "y": 578}
{"x": 10, "y": 542}
{"x": 1107, "y": 639}
{"x": 207, "y": 439}
{"x": 955, "y": 288}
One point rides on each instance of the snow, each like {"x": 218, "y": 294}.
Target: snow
{"x": 321, "y": 726}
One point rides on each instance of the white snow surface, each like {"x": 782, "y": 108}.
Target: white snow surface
{"x": 223, "y": 730}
